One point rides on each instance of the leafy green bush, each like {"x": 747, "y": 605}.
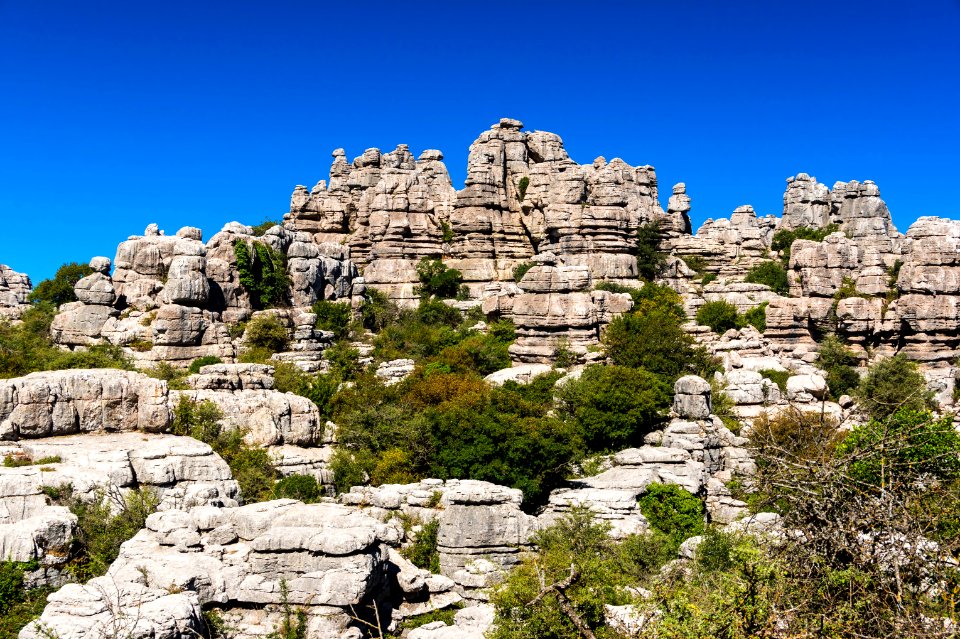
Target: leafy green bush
{"x": 650, "y": 260}
{"x": 334, "y": 316}
{"x": 377, "y": 311}
{"x": 27, "y": 347}
{"x": 260, "y": 229}
{"x": 304, "y": 488}
{"x": 848, "y": 288}
{"x": 520, "y": 270}
{"x": 838, "y": 362}
{"x": 263, "y": 273}
{"x": 784, "y": 238}
{"x": 613, "y": 407}
{"x": 318, "y": 388}
{"x": 696, "y": 263}
{"x": 673, "y": 511}
{"x": 565, "y": 586}
{"x": 522, "y": 186}
{"x": 930, "y": 449}
{"x": 200, "y": 362}
{"x": 436, "y": 279}
{"x": 771, "y": 274}
{"x": 893, "y": 384}
{"x": 719, "y": 315}
{"x": 250, "y": 466}
{"x": 777, "y": 377}
{"x": 104, "y": 524}
{"x": 347, "y": 470}
{"x": 423, "y": 552}
{"x": 59, "y": 290}
{"x": 755, "y": 317}
{"x": 651, "y": 336}
{"x": 344, "y": 360}
{"x": 481, "y": 353}
{"x": 19, "y": 605}
{"x": 267, "y": 332}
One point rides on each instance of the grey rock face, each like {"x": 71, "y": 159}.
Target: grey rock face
{"x": 691, "y": 398}
{"x": 74, "y": 401}
{"x": 96, "y": 289}
{"x": 14, "y": 291}
{"x": 330, "y": 557}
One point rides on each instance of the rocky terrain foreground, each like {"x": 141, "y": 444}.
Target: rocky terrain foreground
{"x": 538, "y": 239}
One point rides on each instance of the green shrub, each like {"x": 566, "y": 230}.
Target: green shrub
{"x": 423, "y": 552}
{"x": 650, "y": 260}
{"x": 344, "y": 360}
{"x": 522, "y": 186}
{"x": 334, "y": 316}
{"x": 304, "y": 488}
{"x": 251, "y": 467}
{"x": 709, "y": 277}
{"x": 446, "y": 232}
{"x": 200, "y": 362}
{"x": 771, "y": 274}
{"x": 848, "y": 288}
{"x": 695, "y": 263}
{"x": 520, "y": 270}
{"x": 318, "y": 388}
{"x": 260, "y": 229}
{"x": 719, "y": 315}
{"x": 673, "y": 511}
{"x": 893, "y": 384}
{"x": 437, "y": 280}
{"x": 59, "y": 290}
{"x": 267, "y": 332}
{"x": 11, "y": 582}
{"x": 377, "y": 311}
{"x": 928, "y": 449}
{"x": 263, "y": 273}
{"x": 777, "y": 377}
{"x": 651, "y": 336}
{"x": 756, "y": 317}
{"x": 481, "y": 353}
{"x": 347, "y": 470}
{"x": 838, "y": 362}
{"x": 578, "y": 568}
{"x": 104, "y": 524}
{"x": 784, "y": 238}
{"x": 613, "y": 407}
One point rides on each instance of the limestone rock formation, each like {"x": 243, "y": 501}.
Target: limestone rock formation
{"x": 14, "y": 291}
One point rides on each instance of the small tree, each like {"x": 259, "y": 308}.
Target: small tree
{"x": 59, "y": 290}
{"x": 893, "y": 384}
{"x": 719, "y": 315}
{"x": 263, "y": 273}
{"x": 771, "y": 274}
{"x": 436, "y": 279}
{"x": 650, "y": 259}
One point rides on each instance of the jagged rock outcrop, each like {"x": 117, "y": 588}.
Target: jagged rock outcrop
{"x": 328, "y": 558}
{"x": 554, "y": 308}
{"x": 14, "y": 292}
{"x": 728, "y": 247}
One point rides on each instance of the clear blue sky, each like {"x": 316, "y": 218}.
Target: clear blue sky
{"x": 118, "y": 114}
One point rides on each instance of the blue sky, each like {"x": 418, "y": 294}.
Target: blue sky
{"x": 117, "y": 114}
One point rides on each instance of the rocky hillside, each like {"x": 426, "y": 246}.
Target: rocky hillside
{"x": 517, "y": 409}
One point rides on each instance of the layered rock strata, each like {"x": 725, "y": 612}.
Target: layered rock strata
{"x": 14, "y": 293}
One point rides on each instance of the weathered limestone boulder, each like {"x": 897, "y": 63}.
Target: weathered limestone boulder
{"x": 522, "y": 374}
{"x": 806, "y": 388}
{"x": 104, "y": 609}
{"x": 182, "y": 471}
{"x": 14, "y": 292}
{"x": 270, "y": 418}
{"x": 141, "y": 266}
{"x": 472, "y": 622}
{"x": 637, "y": 468}
{"x": 691, "y": 398}
{"x": 617, "y": 507}
{"x": 96, "y": 288}
{"x": 806, "y": 202}
{"x": 81, "y": 401}
{"x": 394, "y": 371}
{"x": 29, "y": 528}
{"x": 79, "y": 324}
{"x": 729, "y": 247}
{"x": 233, "y": 377}
{"x": 330, "y": 557}
{"x": 556, "y": 310}
{"x": 482, "y": 530}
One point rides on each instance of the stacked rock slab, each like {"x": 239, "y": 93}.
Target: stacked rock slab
{"x": 729, "y": 248}
{"x": 523, "y": 196}
{"x": 14, "y": 292}
{"x": 553, "y": 307}
{"x": 248, "y": 561}
{"x": 385, "y": 210}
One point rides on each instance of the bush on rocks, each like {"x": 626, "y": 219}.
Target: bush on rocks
{"x": 771, "y": 274}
